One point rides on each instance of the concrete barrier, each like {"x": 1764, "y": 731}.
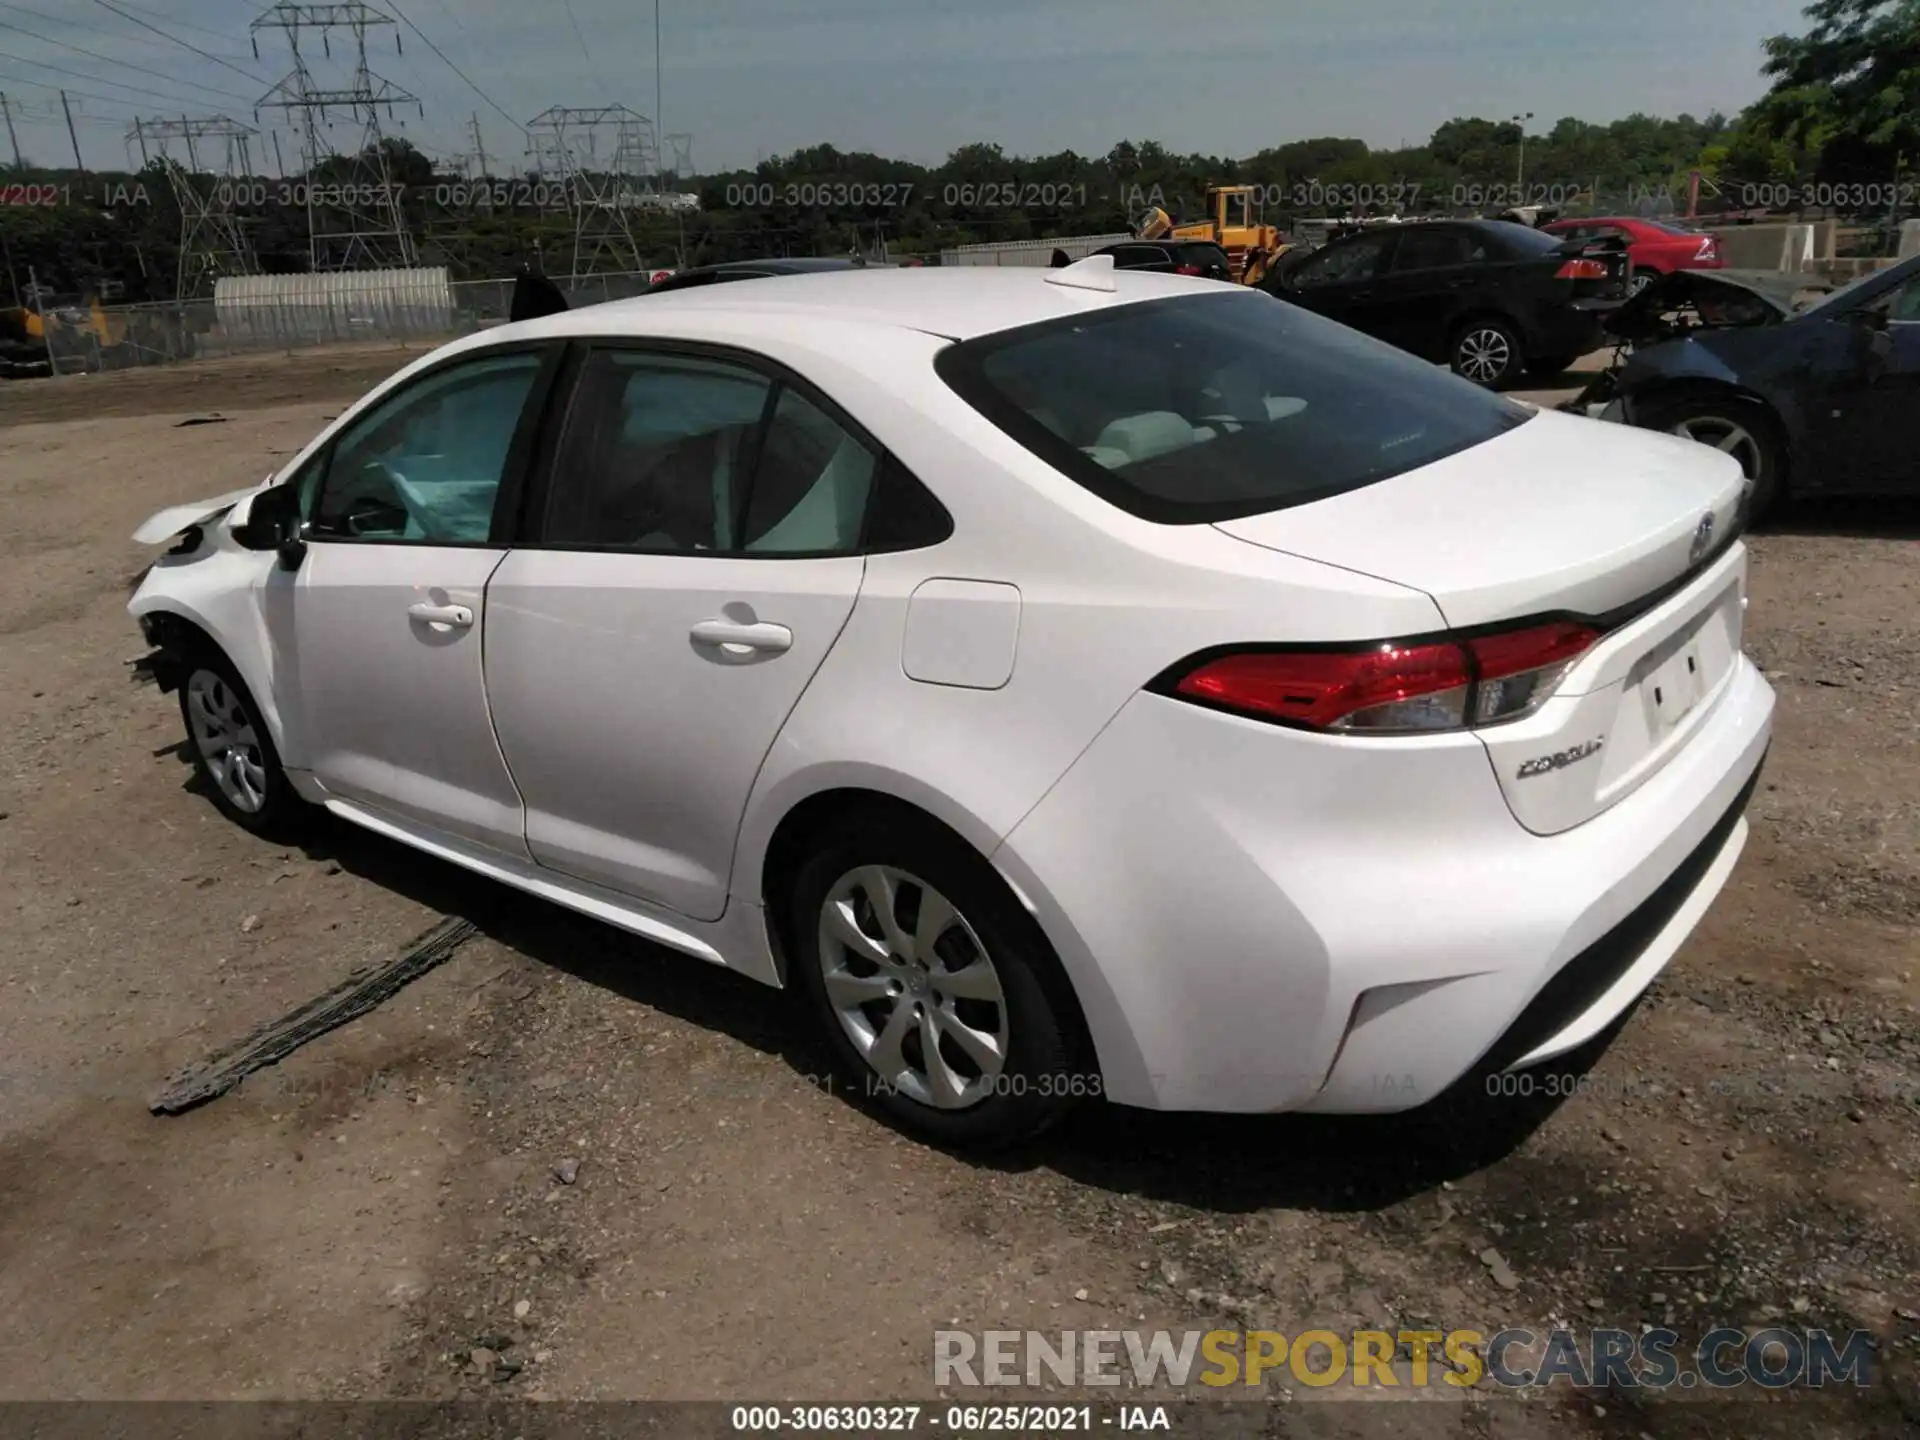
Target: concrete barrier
{"x": 1766, "y": 247}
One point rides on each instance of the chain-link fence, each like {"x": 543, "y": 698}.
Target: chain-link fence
{"x": 117, "y": 337}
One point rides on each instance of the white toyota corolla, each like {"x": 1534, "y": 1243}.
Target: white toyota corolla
{"x": 1070, "y": 682}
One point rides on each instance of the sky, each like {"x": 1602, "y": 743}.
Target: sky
{"x": 907, "y": 79}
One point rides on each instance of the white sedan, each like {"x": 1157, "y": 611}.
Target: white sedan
{"x": 1069, "y": 682}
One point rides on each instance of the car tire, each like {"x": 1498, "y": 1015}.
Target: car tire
{"x": 233, "y": 754}
{"x": 1006, "y": 1058}
{"x": 1742, "y": 429}
{"x": 1488, "y": 352}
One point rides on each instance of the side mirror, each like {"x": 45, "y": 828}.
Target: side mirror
{"x": 273, "y": 523}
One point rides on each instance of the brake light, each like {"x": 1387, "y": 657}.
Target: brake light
{"x": 1582, "y": 270}
{"x": 1515, "y": 670}
{"x": 1189, "y": 270}
{"x": 1394, "y": 687}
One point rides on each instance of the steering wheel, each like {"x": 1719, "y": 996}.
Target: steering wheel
{"x": 372, "y": 512}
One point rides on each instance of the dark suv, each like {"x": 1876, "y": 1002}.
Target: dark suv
{"x": 1493, "y": 299}
{"x": 1171, "y": 257}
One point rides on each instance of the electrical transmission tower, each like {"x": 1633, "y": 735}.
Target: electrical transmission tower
{"x": 213, "y": 241}
{"x": 353, "y": 203}
{"x": 602, "y": 161}
{"x": 680, "y": 149}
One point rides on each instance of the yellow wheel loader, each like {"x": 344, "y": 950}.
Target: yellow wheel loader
{"x": 1251, "y": 246}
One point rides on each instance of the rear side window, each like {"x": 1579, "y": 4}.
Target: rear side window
{"x": 1203, "y": 408}
{"x": 1436, "y": 249}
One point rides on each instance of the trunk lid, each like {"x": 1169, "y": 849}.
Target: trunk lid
{"x": 1563, "y": 516}
{"x": 1604, "y": 268}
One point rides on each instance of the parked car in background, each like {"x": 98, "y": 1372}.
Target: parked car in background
{"x": 756, "y": 270}
{"x": 1656, "y": 247}
{"x": 1070, "y": 682}
{"x": 1202, "y": 258}
{"x": 1492, "y": 299}
{"x": 1810, "y": 399}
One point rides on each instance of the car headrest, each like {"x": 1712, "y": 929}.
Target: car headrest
{"x": 1141, "y": 437}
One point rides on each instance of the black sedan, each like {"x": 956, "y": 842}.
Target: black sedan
{"x": 752, "y": 270}
{"x": 1816, "y": 399}
{"x": 1171, "y": 257}
{"x": 1490, "y": 298}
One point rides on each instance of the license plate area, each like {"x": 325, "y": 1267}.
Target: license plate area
{"x": 1675, "y": 684}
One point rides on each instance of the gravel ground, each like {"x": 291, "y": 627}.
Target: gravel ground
{"x": 566, "y": 1165}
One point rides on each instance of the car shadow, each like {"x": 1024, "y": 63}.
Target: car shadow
{"x": 1852, "y": 518}
{"x": 1223, "y": 1163}
{"x": 1239, "y": 1163}
{"x": 627, "y": 966}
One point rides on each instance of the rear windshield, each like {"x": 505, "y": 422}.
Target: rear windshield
{"x": 1524, "y": 239}
{"x": 1204, "y": 408}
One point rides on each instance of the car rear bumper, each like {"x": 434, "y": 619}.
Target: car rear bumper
{"x": 1574, "y": 330}
{"x": 1260, "y": 919}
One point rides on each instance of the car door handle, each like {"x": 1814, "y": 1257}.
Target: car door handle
{"x": 739, "y": 639}
{"x": 456, "y": 615}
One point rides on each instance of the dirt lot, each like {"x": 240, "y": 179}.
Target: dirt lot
{"x": 352, "y": 1223}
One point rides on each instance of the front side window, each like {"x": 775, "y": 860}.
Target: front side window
{"x": 1352, "y": 260}
{"x": 426, "y": 464}
{"x": 1902, "y": 304}
{"x": 1207, "y": 407}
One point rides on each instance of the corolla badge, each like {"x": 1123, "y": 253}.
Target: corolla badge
{"x": 1560, "y": 759}
{"x": 1702, "y": 539}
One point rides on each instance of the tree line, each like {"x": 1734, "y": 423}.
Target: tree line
{"x": 1840, "y": 120}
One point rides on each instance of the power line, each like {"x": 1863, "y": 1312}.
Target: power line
{"x": 585, "y": 54}
{"x": 97, "y": 79}
{"x": 110, "y": 59}
{"x": 175, "y": 20}
{"x": 82, "y": 25}
{"x": 428, "y": 40}
{"x": 185, "y": 44}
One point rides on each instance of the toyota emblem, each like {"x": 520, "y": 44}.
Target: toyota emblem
{"x": 1702, "y": 539}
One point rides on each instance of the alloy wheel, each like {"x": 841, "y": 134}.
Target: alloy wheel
{"x": 913, "y": 987}
{"x": 1732, "y": 438}
{"x": 1485, "y": 355}
{"x": 228, "y": 740}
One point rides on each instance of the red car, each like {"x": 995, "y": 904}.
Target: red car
{"x": 1654, "y": 246}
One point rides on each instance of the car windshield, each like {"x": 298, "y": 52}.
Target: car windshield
{"x": 1204, "y": 408}
{"x": 1843, "y": 296}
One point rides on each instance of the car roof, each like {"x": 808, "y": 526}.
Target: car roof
{"x": 957, "y": 302}
{"x": 775, "y": 264}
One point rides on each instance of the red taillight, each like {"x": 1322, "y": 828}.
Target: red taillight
{"x": 1515, "y": 670}
{"x": 1582, "y": 270}
{"x": 1330, "y": 689}
{"x": 1393, "y": 687}
{"x": 1189, "y": 270}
